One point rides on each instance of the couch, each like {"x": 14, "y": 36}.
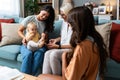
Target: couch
{"x": 10, "y": 54}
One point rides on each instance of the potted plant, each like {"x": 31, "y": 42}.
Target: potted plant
{"x": 31, "y": 7}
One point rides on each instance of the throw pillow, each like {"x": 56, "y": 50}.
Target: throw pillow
{"x": 5, "y": 21}
{"x": 104, "y": 31}
{"x": 115, "y": 42}
{"x": 9, "y": 34}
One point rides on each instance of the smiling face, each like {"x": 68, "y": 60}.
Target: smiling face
{"x": 63, "y": 15}
{"x": 43, "y": 15}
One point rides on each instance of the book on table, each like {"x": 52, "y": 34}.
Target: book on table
{"x": 7, "y": 73}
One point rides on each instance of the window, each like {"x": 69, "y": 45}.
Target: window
{"x": 10, "y": 7}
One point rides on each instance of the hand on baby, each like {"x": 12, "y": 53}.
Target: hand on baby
{"x": 24, "y": 41}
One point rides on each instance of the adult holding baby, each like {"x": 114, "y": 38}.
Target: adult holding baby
{"x": 32, "y": 61}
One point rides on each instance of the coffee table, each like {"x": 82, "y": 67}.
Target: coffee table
{"x": 28, "y": 77}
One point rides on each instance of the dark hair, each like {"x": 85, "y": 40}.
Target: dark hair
{"x": 50, "y": 20}
{"x": 83, "y": 25}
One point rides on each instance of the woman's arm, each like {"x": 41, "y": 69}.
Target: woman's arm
{"x": 57, "y": 46}
{"x": 64, "y": 65}
{"x": 20, "y": 31}
{"x": 58, "y": 39}
{"x": 49, "y": 77}
{"x": 54, "y": 41}
{"x": 21, "y": 34}
{"x": 66, "y": 47}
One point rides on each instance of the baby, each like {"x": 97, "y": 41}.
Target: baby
{"x": 34, "y": 39}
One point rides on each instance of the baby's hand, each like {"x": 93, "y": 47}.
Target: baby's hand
{"x": 32, "y": 34}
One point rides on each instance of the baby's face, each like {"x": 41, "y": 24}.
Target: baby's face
{"x": 32, "y": 29}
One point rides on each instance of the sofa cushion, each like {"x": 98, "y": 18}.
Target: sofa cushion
{"x": 19, "y": 58}
{"x": 115, "y": 42}
{"x": 11, "y": 20}
{"x": 115, "y": 21}
{"x": 103, "y": 21}
{"x": 9, "y": 34}
{"x": 9, "y": 52}
{"x": 104, "y": 30}
{"x": 17, "y": 19}
{"x": 113, "y": 69}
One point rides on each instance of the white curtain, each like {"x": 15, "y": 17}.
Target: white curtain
{"x": 11, "y": 7}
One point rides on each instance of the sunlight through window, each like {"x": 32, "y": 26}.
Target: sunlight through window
{"x": 9, "y": 7}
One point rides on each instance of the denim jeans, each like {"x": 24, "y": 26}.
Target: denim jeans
{"x": 32, "y": 61}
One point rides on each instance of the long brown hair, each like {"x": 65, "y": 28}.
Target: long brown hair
{"x": 50, "y": 20}
{"x": 83, "y": 25}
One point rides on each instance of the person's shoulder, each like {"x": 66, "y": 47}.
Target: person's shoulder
{"x": 31, "y": 16}
{"x": 64, "y": 24}
{"x": 87, "y": 42}
{"x": 28, "y": 19}
{"x": 84, "y": 43}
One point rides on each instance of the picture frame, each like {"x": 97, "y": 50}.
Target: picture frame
{"x": 95, "y": 10}
{"x": 102, "y": 9}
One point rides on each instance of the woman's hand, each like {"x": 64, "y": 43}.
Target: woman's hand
{"x": 52, "y": 41}
{"x": 52, "y": 46}
{"x": 24, "y": 41}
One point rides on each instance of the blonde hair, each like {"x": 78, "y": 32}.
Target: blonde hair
{"x": 30, "y": 23}
{"x": 66, "y": 8}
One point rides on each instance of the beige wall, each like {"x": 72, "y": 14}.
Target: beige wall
{"x": 112, "y": 2}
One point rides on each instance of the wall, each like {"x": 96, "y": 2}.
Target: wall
{"x": 112, "y": 2}
{"x": 22, "y": 8}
